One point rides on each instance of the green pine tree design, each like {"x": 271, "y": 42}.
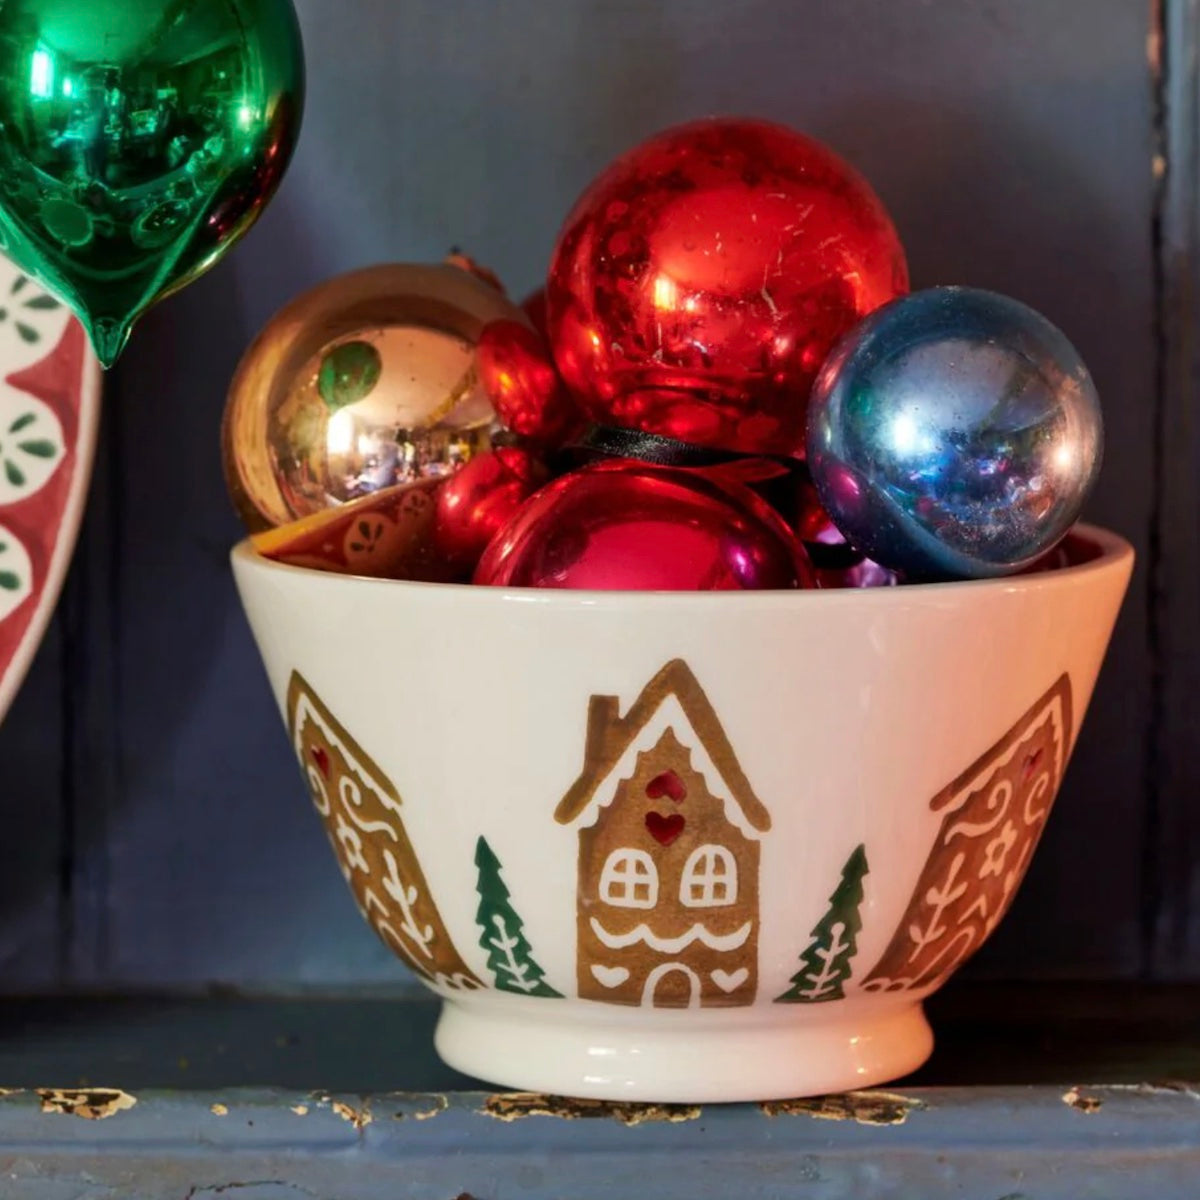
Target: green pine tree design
{"x": 825, "y": 964}
{"x": 510, "y": 957}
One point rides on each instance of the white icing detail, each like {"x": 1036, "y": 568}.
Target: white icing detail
{"x": 1052, "y": 712}
{"x": 661, "y": 972}
{"x": 668, "y": 715}
{"x": 305, "y": 711}
{"x": 609, "y": 977}
{"x": 629, "y": 879}
{"x": 406, "y": 895}
{"x": 675, "y": 945}
{"x": 730, "y": 981}
{"x": 710, "y": 878}
{"x": 320, "y": 795}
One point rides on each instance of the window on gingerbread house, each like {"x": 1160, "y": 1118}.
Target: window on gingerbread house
{"x": 709, "y": 878}
{"x": 629, "y": 880}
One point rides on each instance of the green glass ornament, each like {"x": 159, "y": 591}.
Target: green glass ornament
{"x": 139, "y": 139}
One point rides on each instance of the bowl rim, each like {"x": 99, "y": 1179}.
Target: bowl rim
{"x": 1116, "y": 556}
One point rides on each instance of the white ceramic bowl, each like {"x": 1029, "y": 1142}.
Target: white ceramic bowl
{"x": 684, "y": 847}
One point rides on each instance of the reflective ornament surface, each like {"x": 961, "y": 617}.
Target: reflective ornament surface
{"x": 954, "y": 434}
{"x": 139, "y": 139}
{"x": 701, "y": 280}
{"x": 627, "y": 526}
{"x": 524, "y": 387}
{"x": 481, "y": 499}
{"x": 369, "y": 381}
{"x": 836, "y": 563}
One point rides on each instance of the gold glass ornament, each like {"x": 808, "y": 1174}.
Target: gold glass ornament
{"x": 366, "y": 382}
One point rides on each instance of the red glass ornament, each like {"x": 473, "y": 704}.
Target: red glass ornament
{"x": 627, "y": 526}
{"x": 474, "y": 503}
{"x": 519, "y": 378}
{"x": 701, "y": 280}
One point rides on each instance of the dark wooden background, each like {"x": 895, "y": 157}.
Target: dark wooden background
{"x": 155, "y": 831}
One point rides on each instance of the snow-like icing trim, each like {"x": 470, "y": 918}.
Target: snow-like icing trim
{"x": 669, "y": 715}
{"x": 675, "y": 945}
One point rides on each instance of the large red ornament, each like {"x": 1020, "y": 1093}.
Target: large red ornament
{"x": 474, "y": 503}
{"x": 700, "y": 282}
{"x": 627, "y": 526}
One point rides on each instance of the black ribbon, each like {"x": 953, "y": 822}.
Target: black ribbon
{"x": 608, "y": 441}
{"x": 605, "y": 441}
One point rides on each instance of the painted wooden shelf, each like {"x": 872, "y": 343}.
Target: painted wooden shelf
{"x": 1035, "y": 1092}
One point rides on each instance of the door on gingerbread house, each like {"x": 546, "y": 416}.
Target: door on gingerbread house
{"x": 669, "y": 830}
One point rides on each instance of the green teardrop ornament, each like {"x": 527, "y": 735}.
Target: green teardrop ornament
{"x": 139, "y": 140}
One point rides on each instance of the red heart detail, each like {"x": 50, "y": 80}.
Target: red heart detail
{"x": 667, "y": 784}
{"x": 665, "y": 828}
{"x": 321, "y": 757}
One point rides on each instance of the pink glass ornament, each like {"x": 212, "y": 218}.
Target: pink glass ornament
{"x": 626, "y": 526}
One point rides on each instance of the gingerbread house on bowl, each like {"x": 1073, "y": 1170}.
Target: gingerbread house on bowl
{"x": 669, "y": 830}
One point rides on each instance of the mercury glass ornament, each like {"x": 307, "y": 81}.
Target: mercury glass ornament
{"x": 954, "y": 433}
{"x": 368, "y": 381}
{"x": 701, "y": 280}
{"x": 621, "y": 525}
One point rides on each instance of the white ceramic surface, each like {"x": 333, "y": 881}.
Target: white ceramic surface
{"x": 684, "y": 847}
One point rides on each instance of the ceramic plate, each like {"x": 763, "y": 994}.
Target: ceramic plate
{"x": 49, "y": 409}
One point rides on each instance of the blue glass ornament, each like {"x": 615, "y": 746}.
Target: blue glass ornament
{"x": 954, "y": 434}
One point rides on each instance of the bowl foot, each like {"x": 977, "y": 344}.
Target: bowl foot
{"x": 681, "y": 1059}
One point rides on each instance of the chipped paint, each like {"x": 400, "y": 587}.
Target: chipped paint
{"x": 515, "y": 1106}
{"x": 1075, "y": 1099}
{"x": 218, "y": 1110}
{"x": 301, "y": 1110}
{"x": 94, "y": 1104}
{"x": 440, "y": 1104}
{"x": 358, "y": 1117}
{"x": 865, "y": 1107}
{"x": 420, "y": 1106}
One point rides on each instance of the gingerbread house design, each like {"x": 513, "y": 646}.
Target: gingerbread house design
{"x": 994, "y": 814}
{"x": 361, "y": 811}
{"x": 669, "y": 831}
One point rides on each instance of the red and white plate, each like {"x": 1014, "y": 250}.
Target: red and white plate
{"x": 49, "y": 412}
